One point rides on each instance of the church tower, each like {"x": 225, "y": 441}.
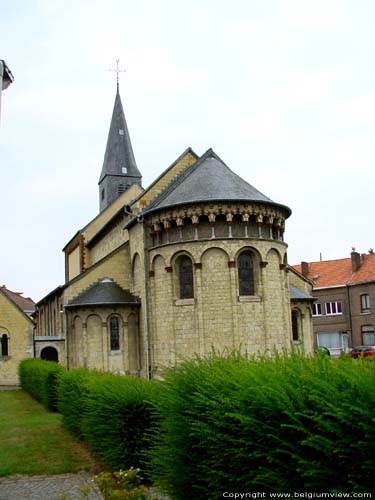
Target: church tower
{"x": 119, "y": 170}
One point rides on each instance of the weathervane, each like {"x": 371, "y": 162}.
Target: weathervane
{"x": 117, "y": 71}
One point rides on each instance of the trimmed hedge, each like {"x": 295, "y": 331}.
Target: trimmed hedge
{"x": 39, "y": 378}
{"x": 112, "y": 413}
{"x": 117, "y": 419}
{"x": 72, "y": 390}
{"x": 289, "y": 423}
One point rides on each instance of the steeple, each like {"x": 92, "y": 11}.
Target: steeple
{"x": 119, "y": 170}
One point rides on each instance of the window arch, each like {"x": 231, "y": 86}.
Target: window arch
{"x": 114, "y": 333}
{"x": 4, "y": 345}
{"x": 185, "y": 277}
{"x": 245, "y": 266}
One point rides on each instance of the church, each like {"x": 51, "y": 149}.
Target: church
{"x": 195, "y": 262}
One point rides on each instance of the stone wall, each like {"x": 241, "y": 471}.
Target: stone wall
{"x": 89, "y": 339}
{"x": 19, "y": 330}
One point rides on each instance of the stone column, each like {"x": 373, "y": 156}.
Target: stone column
{"x": 229, "y": 221}
{"x": 195, "y": 221}
{"x": 212, "y": 218}
{"x": 85, "y": 346}
{"x": 233, "y": 288}
{"x": 199, "y": 306}
{"x": 180, "y": 223}
{"x": 105, "y": 340}
{"x": 259, "y": 221}
{"x": 245, "y": 219}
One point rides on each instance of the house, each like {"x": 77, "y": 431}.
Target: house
{"x": 194, "y": 262}
{"x": 344, "y": 292}
{"x": 16, "y": 333}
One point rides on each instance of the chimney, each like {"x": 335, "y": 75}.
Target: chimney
{"x": 305, "y": 268}
{"x": 356, "y": 261}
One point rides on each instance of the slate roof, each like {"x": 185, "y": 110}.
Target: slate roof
{"x": 119, "y": 150}
{"x": 209, "y": 179}
{"x": 297, "y": 294}
{"x": 331, "y": 273}
{"x": 105, "y": 292}
{"x": 26, "y": 304}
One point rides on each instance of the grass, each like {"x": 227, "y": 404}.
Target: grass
{"x": 34, "y": 442}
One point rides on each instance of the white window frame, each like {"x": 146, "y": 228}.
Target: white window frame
{"x": 369, "y": 330}
{"x": 334, "y": 305}
{"x": 365, "y": 303}
{"x": 317, "y": 311}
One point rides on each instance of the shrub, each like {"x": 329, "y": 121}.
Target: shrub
{"x": 72, "y": 391}
{"x": 39, "y": 378}
{"x": 117, "y": 417}
{"x": 289, "y": 423}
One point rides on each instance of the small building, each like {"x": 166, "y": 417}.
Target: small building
{"x": 16, "y": 333}
{"x": 344, "y": 307}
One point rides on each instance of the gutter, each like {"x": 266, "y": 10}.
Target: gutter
{"x": 147, "y": 304}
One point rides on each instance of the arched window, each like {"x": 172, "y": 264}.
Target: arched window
{"x": 295, "y": 326}
{"x": 4, "y": 345}
{"x": 245, "y": 265}
{"x": 114, "y": 333}
{"x": 186, "y": 277}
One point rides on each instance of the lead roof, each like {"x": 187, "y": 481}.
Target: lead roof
{"x": 209, "y": 179}
{"x": 119, "y": 150}
{"x": 102, "y": 293}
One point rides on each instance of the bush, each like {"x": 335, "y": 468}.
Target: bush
{"x": 285, "y": 424}
{"x": 72, "y": 391}
{"x": 39, "y": 378}
{"x": 117, "y": 417}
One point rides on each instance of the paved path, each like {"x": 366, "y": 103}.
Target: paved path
{"x": 49, "y": 488}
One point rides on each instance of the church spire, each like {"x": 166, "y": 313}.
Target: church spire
{"x": 119, "y": 170}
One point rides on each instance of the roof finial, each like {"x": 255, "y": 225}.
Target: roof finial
{"x": 117, "y": 71}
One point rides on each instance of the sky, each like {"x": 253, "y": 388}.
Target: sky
{"x": 282, "y": 90}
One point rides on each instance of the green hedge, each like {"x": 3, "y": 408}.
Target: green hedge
{"x": 72, "y": 391}
{"x": 287, "y": 424}
{"x": 113, "y": 414}
{"x": 117, "y": 419}
{"x": 39, "y": 378}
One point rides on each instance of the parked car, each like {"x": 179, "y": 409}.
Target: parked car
{"x": 363, "y": 350}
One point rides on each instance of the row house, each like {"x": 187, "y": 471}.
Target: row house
{"x": 344, "y": 307}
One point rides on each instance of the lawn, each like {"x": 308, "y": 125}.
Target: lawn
{"x": 34, "y": 441}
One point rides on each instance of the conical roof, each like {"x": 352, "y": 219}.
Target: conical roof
{"x": 104, "y": 292}
{"x": 119, "y": 151}
{"x": 209, "y": 179}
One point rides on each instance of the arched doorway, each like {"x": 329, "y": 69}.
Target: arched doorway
{"x": 49, "y": 354}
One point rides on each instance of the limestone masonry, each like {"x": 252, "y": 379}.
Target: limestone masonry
{"x": 195, "y": 262}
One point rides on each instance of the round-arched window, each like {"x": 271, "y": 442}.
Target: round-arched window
{"x": 114, "y": 333}
{"x": 245, "y": 265}
{"x": 186, "y": 277}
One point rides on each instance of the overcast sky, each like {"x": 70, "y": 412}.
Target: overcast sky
{"x": 282, "y": 90}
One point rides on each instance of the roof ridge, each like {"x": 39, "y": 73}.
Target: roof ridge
{"x": 182, "y": 176}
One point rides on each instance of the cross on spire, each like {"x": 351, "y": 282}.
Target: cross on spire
{"x": 117, "y": 71}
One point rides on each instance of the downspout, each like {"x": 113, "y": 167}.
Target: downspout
{"x": 350, "y": 316}
{"x": 66, "y": 339}
{"x": 147, "y": 295}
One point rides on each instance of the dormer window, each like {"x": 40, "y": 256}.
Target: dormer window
{"x": 124, "y": 170}
{"x": 121, "y": 132}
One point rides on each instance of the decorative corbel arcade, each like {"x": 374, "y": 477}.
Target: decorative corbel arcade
{"x": 219, "y": 221}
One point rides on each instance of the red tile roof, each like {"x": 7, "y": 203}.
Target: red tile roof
{"x": 330, "y": 273}
{"x": 25, "y": 303}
